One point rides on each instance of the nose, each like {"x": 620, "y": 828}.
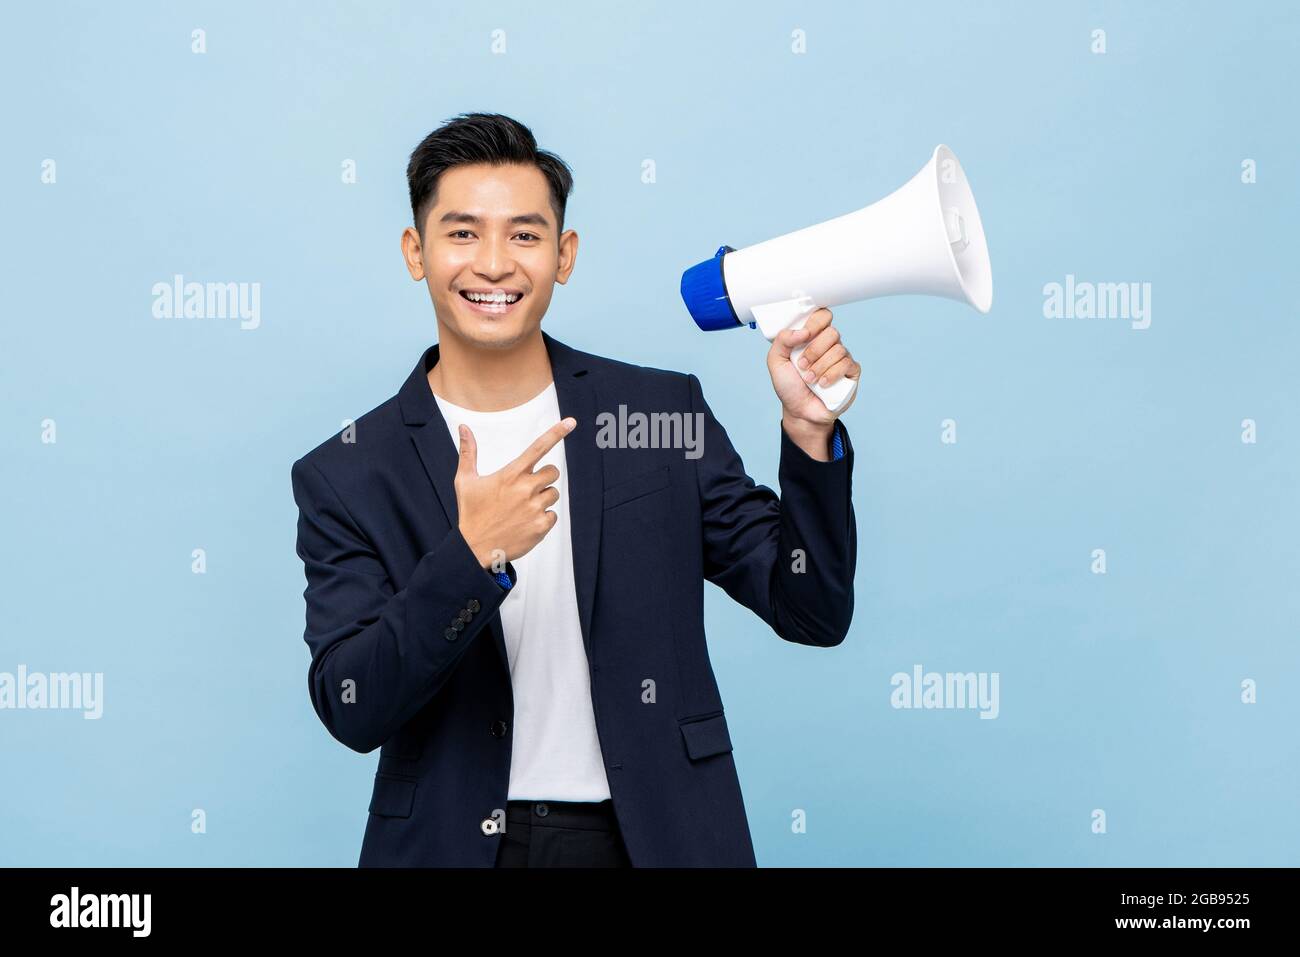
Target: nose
{"x": 493, "y": 259}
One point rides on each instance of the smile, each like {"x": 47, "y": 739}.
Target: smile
{"x": 489, "y": 304}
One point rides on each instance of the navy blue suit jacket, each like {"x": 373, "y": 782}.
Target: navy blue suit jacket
{"x": 389, "y": 576}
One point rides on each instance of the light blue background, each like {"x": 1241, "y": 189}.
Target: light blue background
{"x": 1118, "y": 692}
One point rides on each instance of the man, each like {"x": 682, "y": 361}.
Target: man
{"x": 505, "y": 592}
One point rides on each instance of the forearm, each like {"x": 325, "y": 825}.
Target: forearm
{"x": 789, "y": 558}
{"x": 367, "y": 681}
{"x": 812, "y": 581}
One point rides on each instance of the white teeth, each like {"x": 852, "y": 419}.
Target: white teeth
{"x": 500, "y": 298}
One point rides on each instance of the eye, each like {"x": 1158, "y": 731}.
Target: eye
{"x": 458, "y": 232}
{"x": 530, "y": 235}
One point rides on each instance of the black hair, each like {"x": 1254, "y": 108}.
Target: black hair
{"x": 481, "y": 138}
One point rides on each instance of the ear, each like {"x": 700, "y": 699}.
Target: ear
{"x": 568, "y": 255}
{"x": 413, "y": 253}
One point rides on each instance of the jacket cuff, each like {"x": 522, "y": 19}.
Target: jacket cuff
{"x": 831, "y": 481}
{"x": 840, "y": 447}
{"x": 506, "y": 579}
{"x": 451, "y": 573}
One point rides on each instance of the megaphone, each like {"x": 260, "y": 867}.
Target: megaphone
{"x": 925, "y": 238}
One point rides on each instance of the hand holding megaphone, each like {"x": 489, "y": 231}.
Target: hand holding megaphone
{"x": 828, "y": 358}
{"x": 794, "y": 315}
{"x": 925, "y": 238}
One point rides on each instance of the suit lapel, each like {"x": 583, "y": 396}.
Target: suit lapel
{"x": 576, "y": 391}
{"x": 577, "y": 387}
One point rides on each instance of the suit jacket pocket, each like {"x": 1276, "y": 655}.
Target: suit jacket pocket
{"x": 706, "y": 736}
{"x": 393, "y": 796}
{"x": 636, "y": 487}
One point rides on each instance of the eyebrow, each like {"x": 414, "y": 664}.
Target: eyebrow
{"x": 523, "y": 219}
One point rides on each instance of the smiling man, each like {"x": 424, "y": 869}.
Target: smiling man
{"x": 512, "y": 610}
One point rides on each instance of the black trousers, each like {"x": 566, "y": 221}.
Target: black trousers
{"x": 561, "y": 834}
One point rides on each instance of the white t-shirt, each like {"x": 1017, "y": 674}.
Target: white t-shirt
{"x": 555, "y": 751}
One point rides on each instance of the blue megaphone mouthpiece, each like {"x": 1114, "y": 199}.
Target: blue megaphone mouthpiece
{"x": 704, "y": 290}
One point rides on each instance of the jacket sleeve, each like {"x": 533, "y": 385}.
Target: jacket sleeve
{"x": 790, "y": 559}
{"x": 378, "y": 655}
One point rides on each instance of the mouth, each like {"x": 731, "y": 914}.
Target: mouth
{"x": 492, "y": 303}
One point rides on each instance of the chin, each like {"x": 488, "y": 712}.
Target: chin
{"x": 494, "y": 333}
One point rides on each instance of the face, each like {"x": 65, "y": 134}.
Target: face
{"x": 491, "y": 231}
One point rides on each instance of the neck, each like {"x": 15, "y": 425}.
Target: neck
{"x": 489, "y": 380}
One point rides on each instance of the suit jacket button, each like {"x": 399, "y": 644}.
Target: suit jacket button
{"x": 457, "y": 624}
{"x": 465, "y": 615}
{"x": 450, "y": 634}
{"x": 498, "y": 729}
{"x": 473, "y": 604}
{"x": 488, "y": 825}
{"x": 542, "y": 810}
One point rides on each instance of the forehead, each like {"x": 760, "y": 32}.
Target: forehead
{"x": 494, "y": 190}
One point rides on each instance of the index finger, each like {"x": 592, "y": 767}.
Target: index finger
{"x": 819, "y": 320}
{"x": 528, "y": 459}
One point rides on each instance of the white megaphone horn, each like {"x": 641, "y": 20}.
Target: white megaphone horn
{"x": 925, "y": 238}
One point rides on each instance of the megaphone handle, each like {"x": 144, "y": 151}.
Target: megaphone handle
{"x": 834, "y": 396}
{"x": 772, "y": 317}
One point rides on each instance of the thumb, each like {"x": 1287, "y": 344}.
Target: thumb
{"x": 785, "y": 341}
{"x": 468, "y": 464}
